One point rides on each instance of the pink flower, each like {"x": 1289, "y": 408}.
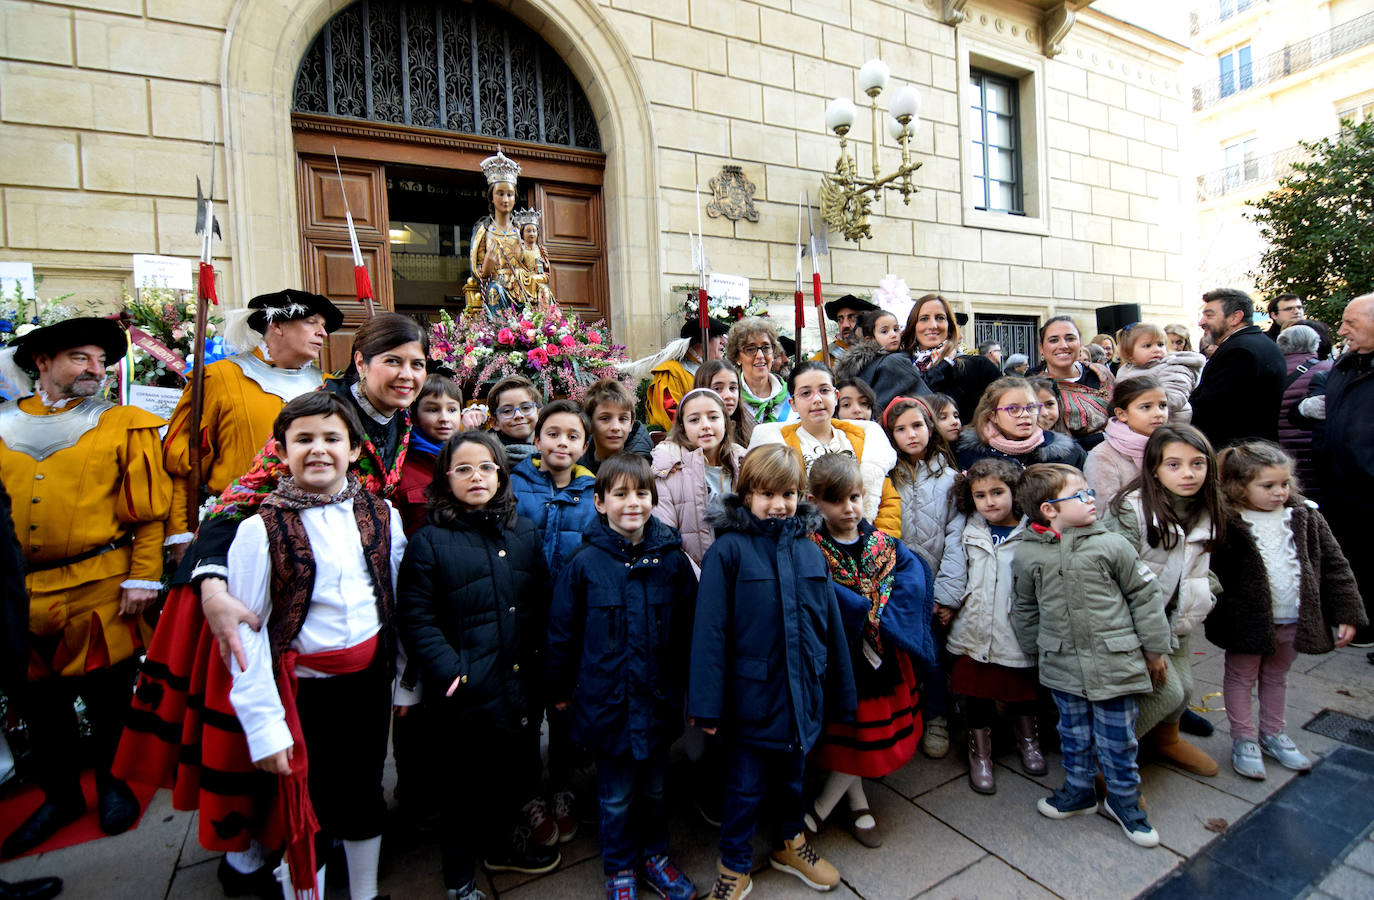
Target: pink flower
{"x": 567, "y": 341}
{"x": 538, "y": 358}
{"x": 505, "y": 336}
{"x": 594, "y": 337}
{"x": 526, "y": 324}
{"x": 552, "y": 350}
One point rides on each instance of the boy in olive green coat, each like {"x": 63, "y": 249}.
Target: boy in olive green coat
{"x": 1094, "y": 615}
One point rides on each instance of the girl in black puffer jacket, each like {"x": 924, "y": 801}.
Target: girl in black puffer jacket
{"x": 472, "y": 599}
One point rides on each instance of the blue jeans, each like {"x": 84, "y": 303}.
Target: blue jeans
{"x": 634, "y": 824}
{"x": 753, "y": 775}
{"x": 1104, "y": 729}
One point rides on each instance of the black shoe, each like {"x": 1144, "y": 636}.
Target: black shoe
{"x": 119, "y": 808}
{"x": 261, "y": 883}
{"x": 1194, "y": 724}
{"x": 33, "y": 889}
{"x": 46, "y": 821}
{"x": 523, "y": 854}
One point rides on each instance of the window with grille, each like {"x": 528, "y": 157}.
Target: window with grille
{"x": 1236, "y": 74}
{"x": 997, "y": 182}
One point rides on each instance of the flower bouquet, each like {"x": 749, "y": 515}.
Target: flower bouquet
{"x": 722, "y": 309}
{"x": 561, "y": 356}
{"x": 162, "y": 332}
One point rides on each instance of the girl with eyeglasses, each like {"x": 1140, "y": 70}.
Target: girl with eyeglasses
{"x": 1006, "y": 425}
{"x": 472, "y": 602}
{"x": 1139, "y": 406}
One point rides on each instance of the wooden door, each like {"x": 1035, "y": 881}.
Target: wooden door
{"x": 574, "y": 236}
{"x": 326, "y": 255}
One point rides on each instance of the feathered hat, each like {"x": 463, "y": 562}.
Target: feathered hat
{"x": 245, "y": 328}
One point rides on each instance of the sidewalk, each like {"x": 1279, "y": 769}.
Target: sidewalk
{"x": 941, "y": 839}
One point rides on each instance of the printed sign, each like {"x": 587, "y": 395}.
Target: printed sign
{"x": 732, "y": 287}
{"x": 160, "y": 401}
{"x": 162, "y": 271}
{"x": 17, "y": 273}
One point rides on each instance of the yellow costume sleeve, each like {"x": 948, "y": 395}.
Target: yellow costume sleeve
{"x": 145, "y": 496}
{"x": 889, "y": 517}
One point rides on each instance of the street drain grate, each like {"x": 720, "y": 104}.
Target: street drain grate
{"x": 1343, "y": 727}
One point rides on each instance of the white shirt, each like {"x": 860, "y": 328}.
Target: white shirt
{"x": 342, "y": 613}
{"x": 1273, "y": 533}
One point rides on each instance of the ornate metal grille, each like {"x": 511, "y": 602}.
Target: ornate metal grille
{"x": 472, "y": 69}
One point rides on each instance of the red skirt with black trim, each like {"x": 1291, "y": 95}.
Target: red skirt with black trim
{"x": 883, "y": 736}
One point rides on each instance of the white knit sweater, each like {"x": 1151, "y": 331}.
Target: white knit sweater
{"x": 1273, "y": 533}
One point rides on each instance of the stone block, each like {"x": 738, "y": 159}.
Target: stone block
{"x": 159, "y": 49}
{"x": 1057, "y": 253}
{"x": 943, "y": 241}
{"x": 1143, "y": 101}
{"x": 826, "y": 79}
{"x": 181, "y": 110}
{"x": 1091, "y": 171}
{"x": 208, "y": 13}
{"x": 688, "y": 47}
{"x": 816, "y": 152}
{"x": 1129, "y": 179}
{"x": 1109, "y": 260}
{"x": 939, "y": 172}
{"x": 677, "y": 169}
{"x": 949, "y": 207}
{"x": 1061, "y": 164}
{"x": 636, "y": 30}
{"x": 671, "y": 10}
{"x": 51, "y": 220}
{"x": 695, "y": 131}
{"x": 762, "y": 143}
{"x": 843, "y": 46}
{"x": 128, "y": 7}
{"x": 1070, "y": 137}
{"x": 1031, "y": 282}
{"x": 940, "y": 106}
{"x": 1161, "y": 134}
{"x": 951, "y": 279}
{"x": 1348, "y": 883}
{"x": 1092, "y": 288}
{"x": 836, "y": 12}
{"x": 775, "y": 67}
{"x": 986, "y": 278}
{"x": 1129, "y": 290}
{"x": 908, "y": 64}
{"x": 780, "y": 108}
{"x": 989, "y": 877}
{"x": 39, "y": 157}
{"x": 1009, "y": 247}
{"x": 877, "y": 17}
{"x": 791, "y": 33}
{"x": 739, "y": 20}
{"x": 1064, "y": 76}
{"x": 890, "y": 234}
{"x": 1107, "y": 146}
{"x": 1106, "y": 89}
{"x": 1111, "y": 203}
{"x": 146, "y": 166}
{"x": 927, "y": 33}
{"x": 1088, "y": 227}
{"x": 73, "y": 98}
{"x": 1147, "y": 264}
{"x": 1063, "y": 285}
{"x": 742, "y": 60}
{"x": 1143, "y": 155}
{"x": 921, "y": 273}
{"x": 1071, "y": 195}
{"x": 947, "y": 141}
{"x": 727, "y": 97}
{"x": 36, "y": 34}
{"x": 1056, "y": 104}
{"x": 1126, "y": 233}
{"x": 1126, "y": 124}
{"x": 176, "y": 229}
{"x": 944, "y": 75}
{"x": 1088, "y": 113}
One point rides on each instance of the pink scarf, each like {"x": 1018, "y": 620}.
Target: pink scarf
{"x": 1126, "y": 442}
{"x": 999, "y": 441}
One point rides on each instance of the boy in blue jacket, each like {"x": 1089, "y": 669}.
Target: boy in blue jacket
{"x": 555, "y": 493}
{"x": 768, "y": 652}
{"x": 618, "y": 642}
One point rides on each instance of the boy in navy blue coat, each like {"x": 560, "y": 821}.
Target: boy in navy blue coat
{"x": 618, "y": 642}
{"x": 768, "y": 653}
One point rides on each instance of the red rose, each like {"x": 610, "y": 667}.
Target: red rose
{"x": 594, "y": 337}
{"x": 538, "y": 358}
{"x": 505, "y": 336}
{"x": 567, "y": 341}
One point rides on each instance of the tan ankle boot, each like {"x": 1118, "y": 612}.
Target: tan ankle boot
{"x": 1172, "y": 748}
{"x": 730, "y": 885}
{"x": 980, "y": 776}
{"x": 799, "y": 858}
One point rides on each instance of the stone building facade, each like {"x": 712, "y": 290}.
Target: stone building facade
{"x": 108, "y": 109}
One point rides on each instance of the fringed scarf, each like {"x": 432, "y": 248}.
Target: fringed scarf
{"x": 870, "y": 575}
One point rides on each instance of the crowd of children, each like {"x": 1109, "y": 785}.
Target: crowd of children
{"x": 830, "y": 598}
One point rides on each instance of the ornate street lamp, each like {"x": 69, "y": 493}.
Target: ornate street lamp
{"x": 845, "y": 195}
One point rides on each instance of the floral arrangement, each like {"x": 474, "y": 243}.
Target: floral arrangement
{"x": 168, "y": 317}
{"x": 19, "y": 316}
{"x": 719, "y": 308}
{"x": 560, "y": 356}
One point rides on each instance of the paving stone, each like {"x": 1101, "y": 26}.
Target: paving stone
{"x": 1021, "y": 836}
{"x": 1362, "y": 857}
{"x": 192, "y": 853}
{"x": 1349, "y": 883}
{"x": 923, "y": 774}
{"x": 102, "y": 868}
{"x": 1180, "y": 808}
{"x": 988, "y": 878}
{"x": 885, "y": 875}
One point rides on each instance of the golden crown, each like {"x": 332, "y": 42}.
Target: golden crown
{"x": 500, "y": 168}
{"x": 523, "y": 217}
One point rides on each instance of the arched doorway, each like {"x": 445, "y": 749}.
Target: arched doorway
{"x": 412, "y": 96}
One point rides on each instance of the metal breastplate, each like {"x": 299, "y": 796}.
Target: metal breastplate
{"x": 287, "y": 384}
{"x": 42, "y": 436}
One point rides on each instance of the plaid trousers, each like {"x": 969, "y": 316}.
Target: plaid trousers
{"x": 1099, "y": 732}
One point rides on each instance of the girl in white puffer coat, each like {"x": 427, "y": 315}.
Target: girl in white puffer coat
{"x": 989, "y": 665}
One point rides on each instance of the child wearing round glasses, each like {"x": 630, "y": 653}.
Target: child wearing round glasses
{"x": 1006, "y": 426}
{"x": 1094, "y": 615}
{"x": 515, "y": 402}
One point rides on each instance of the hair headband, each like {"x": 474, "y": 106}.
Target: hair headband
{"x": 895, "y": 400}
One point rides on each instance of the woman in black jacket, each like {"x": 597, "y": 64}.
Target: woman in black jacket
{"x": 472, "y": 603}
{"x": 931, "y": 340}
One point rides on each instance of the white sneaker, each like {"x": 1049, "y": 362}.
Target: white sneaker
{"x": 935, "y": 739}
{"x": 1246, "y": 760}
{"x": 1281, "y": 747}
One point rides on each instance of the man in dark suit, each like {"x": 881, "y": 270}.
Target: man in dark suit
{"x": 1241, "y": 389}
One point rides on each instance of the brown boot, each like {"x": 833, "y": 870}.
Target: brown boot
{"x": 980, "y": 761}
{"x": 1166, "y": 743}
{"x": 730, "y": 885}
{"x": 1028, "y": 743}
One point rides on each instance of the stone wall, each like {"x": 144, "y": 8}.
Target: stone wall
{"x": 107, "y": 108}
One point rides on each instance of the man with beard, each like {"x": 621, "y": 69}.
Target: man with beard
{"x": 1241, "y": 389}
{"x": 90, "y": 502}
{"x": 845, "y": 313}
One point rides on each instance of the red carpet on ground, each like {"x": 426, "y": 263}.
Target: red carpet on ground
{"x": 19, "y": 803}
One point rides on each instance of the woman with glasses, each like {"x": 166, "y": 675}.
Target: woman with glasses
{"x": 1084, "y": 389}
{"x": 931, "y": 337}
{"x": 751, "y": 345}
{"x": 811, "y": 390}
{"x": 1006, "y": 425}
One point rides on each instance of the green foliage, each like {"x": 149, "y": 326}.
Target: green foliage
{"x": 1319, "y": 225}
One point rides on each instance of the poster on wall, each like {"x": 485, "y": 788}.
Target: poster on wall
{"x": 169, "y": 272}
{"x": 17, "y": 275}
{"x": 734, "y": 288}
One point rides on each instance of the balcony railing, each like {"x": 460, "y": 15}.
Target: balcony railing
{"x": 1258, "y": 170}
{"x": 1204, "y": 17}
{"x": 1294, "y": 58}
